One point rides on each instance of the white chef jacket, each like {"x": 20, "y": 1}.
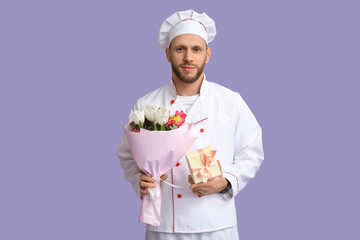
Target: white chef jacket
{"x": 224, "y": 122}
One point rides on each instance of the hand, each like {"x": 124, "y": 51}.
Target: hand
{"x": 148, "y": 182}
{"x": 213, "y": 185}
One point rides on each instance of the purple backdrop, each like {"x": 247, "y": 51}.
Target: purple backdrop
{"x": 71, "y": 71}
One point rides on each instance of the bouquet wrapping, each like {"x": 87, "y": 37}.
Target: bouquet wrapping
{"x": 155, "y": 153}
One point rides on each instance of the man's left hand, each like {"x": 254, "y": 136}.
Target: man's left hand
{"x": 213, "y": 185}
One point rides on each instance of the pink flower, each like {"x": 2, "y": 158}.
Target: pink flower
{"x": 178, "y": 119}
{"x": 135, "y": 130}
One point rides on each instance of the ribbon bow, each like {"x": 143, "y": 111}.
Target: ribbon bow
{"x": 208, "y": 160}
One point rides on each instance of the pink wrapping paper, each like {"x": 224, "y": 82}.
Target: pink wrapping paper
{"x": 155, "y": 153}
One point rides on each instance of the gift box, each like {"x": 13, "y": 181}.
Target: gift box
{"x": 203, "y": 164}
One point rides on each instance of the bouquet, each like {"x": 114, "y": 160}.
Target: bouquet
{"x": 156, "y": 119}
{"x": 157, "y": 140}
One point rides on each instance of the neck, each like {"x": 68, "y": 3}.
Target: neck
{"x": 187, "y": 89}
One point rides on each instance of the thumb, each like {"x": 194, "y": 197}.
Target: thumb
{"x": 190, "y": 180}
{"x": 219, "y": 166}
{"x": 164, "y": 177}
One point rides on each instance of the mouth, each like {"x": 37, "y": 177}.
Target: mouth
{"x": 188, "y": 68}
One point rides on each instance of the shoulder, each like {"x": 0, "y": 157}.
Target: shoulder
{"x": 228, "y": 101}
{"x": 223, "y": 92}
{"x": 154, "y": 97}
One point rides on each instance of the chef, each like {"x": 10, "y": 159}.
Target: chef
{"x": 221, "y": 120}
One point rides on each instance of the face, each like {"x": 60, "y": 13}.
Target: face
{"x": 188, "y": 54}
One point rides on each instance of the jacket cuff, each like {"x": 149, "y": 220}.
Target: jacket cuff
{"x": 137, "y": 188}
{"x": 233, "y": 179}
{"x": 229, "y": 194}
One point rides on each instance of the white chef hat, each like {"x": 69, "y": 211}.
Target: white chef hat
{"x": 186, "y": 22}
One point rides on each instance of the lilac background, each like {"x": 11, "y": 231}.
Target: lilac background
{"x": 71, "y": 71}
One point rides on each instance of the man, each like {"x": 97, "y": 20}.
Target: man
{"x": 222, "y": 120}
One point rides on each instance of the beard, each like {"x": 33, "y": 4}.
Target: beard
{"x": 183, "y": 77}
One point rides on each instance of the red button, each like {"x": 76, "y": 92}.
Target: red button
{"x": 179, "y": 195}
{"x": 178, "y": 164}
{"x": 202, "y": 130}
{"x": 172, "y": 101}
{"x": 199, "y": 195}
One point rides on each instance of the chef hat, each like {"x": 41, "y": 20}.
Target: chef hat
{"x": 186, "y": 22}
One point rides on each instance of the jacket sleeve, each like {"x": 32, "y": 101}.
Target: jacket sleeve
{"x": 248, "y": 150}
{"x": 128, "y": 164}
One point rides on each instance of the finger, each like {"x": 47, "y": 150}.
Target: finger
{"x": 220, "y": 166}
{"x": 199, "y": 185}
{"x": 196, "y": 192}
{"x": 143, "y": 184}
{"x": 190, "y": 180}
{"x": 139, "y": 170}
{"x": 144, "y": 191}
{"x": 164, "y": 177}
{"x": 146, "y": 178}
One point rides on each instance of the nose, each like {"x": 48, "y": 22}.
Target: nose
{"x": 188, "y": 56}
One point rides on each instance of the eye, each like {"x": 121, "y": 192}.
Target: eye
{"x": 179, "y": 49}
{"x": 197, "y": 50}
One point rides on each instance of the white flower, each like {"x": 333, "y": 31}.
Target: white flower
{"x": 150, "y": 112}
{"x": 137, "y": 116}
{"x": 167, "y": 108}
{"x": 162, "y": 115}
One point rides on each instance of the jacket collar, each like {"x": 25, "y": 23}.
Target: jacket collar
{"x": 203, "y": 88}
{"x": 197, "y": 112}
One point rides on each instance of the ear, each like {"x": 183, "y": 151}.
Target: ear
{"x": 208, "y": 54}
{"x": 168, "y": 54}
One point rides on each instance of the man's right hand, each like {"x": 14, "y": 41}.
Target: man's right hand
{"x": 148, "y": 182}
